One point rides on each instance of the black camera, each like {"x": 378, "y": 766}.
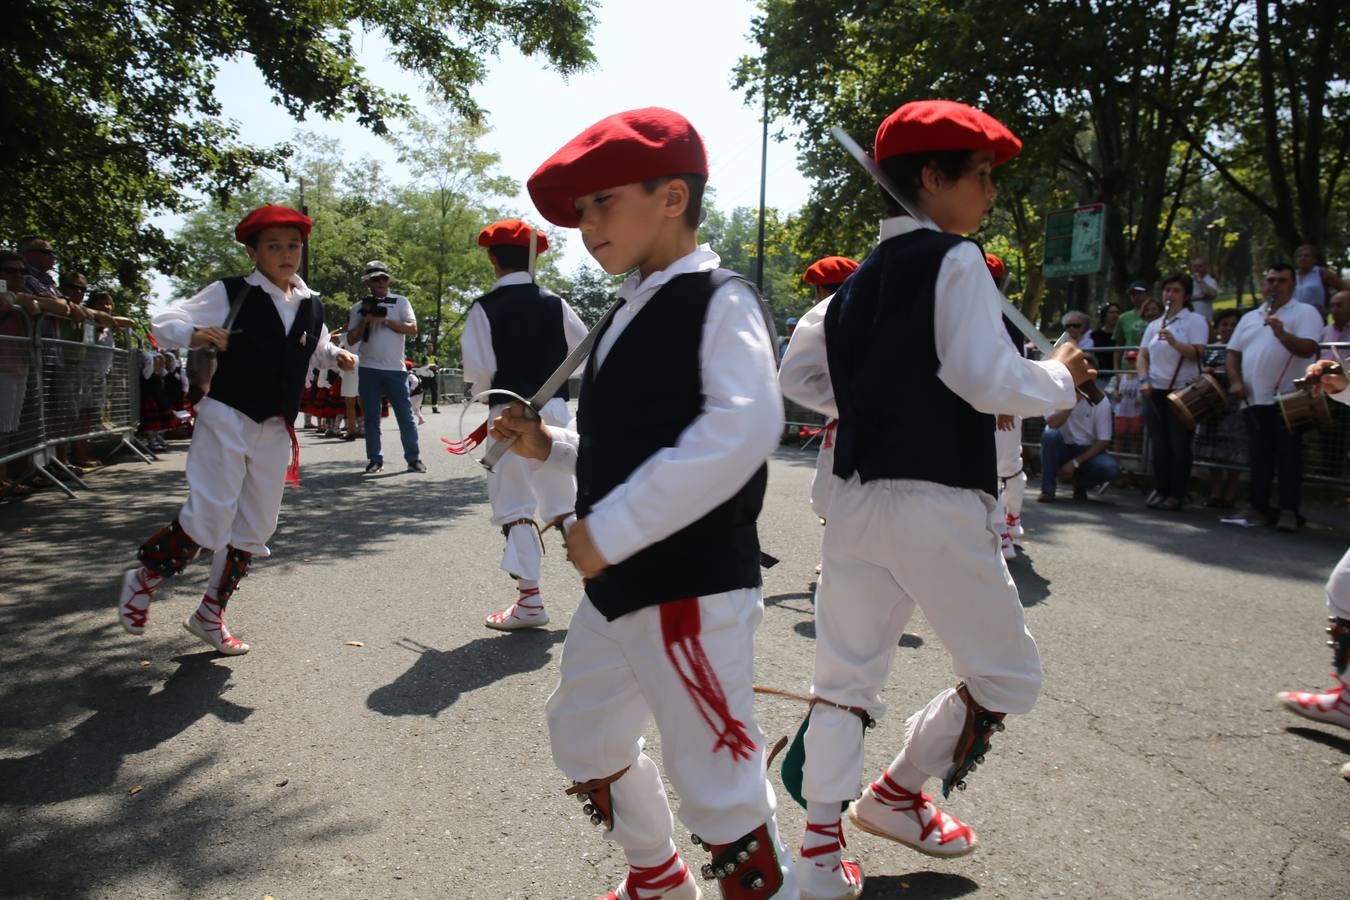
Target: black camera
{"x": 372, "y": 307}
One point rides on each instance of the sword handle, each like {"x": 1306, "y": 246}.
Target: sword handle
{"x": 530, "y": 413}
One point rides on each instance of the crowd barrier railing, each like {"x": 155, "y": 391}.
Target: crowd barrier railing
{"x": 56, "y": 389}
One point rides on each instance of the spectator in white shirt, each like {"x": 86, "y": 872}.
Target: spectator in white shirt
{"x": 1271, "y": 346}
{"x": 1169, "y": 358}
{"x": 1339, "y": 329}
{"x": 379, "y": 325}
{"x": 1076, "y": 324}
{"x": 1073, "y": 448}
{"x": 1204, "y": 289}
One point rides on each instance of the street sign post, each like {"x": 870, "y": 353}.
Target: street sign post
{"x": 1074, "y": 241}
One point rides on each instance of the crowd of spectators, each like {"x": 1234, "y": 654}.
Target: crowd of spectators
{"x": 36, "y": 303}
{"x": 1161, "y": 344}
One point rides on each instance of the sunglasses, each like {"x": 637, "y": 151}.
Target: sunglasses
{"x": 1076, "y": 325}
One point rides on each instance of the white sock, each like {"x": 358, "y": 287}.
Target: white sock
{"x": 906, "y": 775}
{"x": 823, "y": 829}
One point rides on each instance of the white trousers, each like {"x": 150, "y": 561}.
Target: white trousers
{"x": 889, "y": 546}
{"x": 1012, "y": 477}
{"x": 1338, "y": 588}
{"x": 822, "y": 483}
{"x": 616, "y": 678}
{"x": 236, "y": 474}
{"x": 520, "y": 488}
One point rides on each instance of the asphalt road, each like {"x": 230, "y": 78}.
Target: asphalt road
{"x": 1156, "y": 764}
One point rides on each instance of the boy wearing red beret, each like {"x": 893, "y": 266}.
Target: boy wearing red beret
{"x": 514, "y": 337}
{"x": 805, "y": 385}
{"x": 677, "y": 416}
{"x": 1012, "y": 477}
{"x": 917, "y": 363}
{"x": 268, "y": 331}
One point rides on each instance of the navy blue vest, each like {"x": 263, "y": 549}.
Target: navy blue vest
{"x": 263, "y": 373}
{"x": 527, "y": 337}
{"x": 649, "y": 391}
{"x": 896, "y": 417}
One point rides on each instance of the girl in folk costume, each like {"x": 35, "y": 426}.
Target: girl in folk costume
{"x": 415, "y": 392}
{"x": 268, "y": 330}
{"x": 910, "y": 520}
{"x": 514, "y": 337}
{"x": 677, "y": 417}
{"x": 156, "y": 417}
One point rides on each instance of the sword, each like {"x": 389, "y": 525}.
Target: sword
{"x": 550, "y": 387}
{"x": 1088, "y": 389}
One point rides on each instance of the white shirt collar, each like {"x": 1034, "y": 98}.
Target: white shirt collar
{"x": 898, "y": 225}
{"x": 513, "y": 278}
{"x": 637, "y": 289}
{"x": 299, "y": 290}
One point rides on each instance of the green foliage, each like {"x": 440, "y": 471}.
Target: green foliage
{"x": 1115, "y": 103}
{"x": 111, "y": 115}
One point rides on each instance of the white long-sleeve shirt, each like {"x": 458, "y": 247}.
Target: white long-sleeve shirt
{"x": 804, "y": 376}
{"x": 975, "y": 359}
{"x": 210, "y": 307}
{"x": 480, "y": 360}
{"x": 739, "y": 427}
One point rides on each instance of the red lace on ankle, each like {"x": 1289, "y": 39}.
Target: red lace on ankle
{"x": 1310, "y": 700}
{"x": 216, "y": 622}
{"x": 894, "y": 797}
{"x": 525, "y": 594}
{"x": 834, "y": 830}
{"x": 649, "y": 878}
{"x": 137, "y": 615}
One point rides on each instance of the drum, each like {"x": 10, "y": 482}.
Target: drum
{"x": 1300, "y": 409}
{"x": 1197, "y": 401}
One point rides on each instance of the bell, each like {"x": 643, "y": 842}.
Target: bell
{"x": 756, "y": 882}
{"x": 979, "y": 760}
{"x": 583, "y": 796}
{"x": 742, "y": 856}
{"x": 697, "y": 841}
{"x": 707, "y": 872}
{"x": 597, "y": 819}
{"x": 998, "y": 726}
{"x": 752, "y": 846}
{"x": 973, "y": 766}
{"x": 588, "y": 809}
{"x": 960, "y": 785}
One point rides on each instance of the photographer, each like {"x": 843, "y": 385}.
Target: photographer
{"x": 378, "y": 326}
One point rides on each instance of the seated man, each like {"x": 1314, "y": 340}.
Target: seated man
{"x": 1073, "y": 447}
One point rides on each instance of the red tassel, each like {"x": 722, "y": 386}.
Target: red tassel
{"x": 460, "y": 448}
{"x": 680, "y": 628}
{"x": 828, "y": 441}
{"x": 293, "y": 470}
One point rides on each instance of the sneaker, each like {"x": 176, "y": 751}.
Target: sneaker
{"x": 417, "y": 466}
{"x": 138, "y": 589}
{"x": 1046, "y": 497}
{"x": 526, "y": 612}
{"x": 1288, "y": 521}
{"x": 1170, "y": 504}
{"x": 210, "y": 629}
{"x": 830, "y": 878}
{"x": 1345, "y": 771}
{"x": 1014, "y": 524}
{"x": 1006, "y": 546}
{"x": 888, "y": 810}
{"x": 1097, "y": 490}
{"x": 375, "y": 465}
{"x": 1154, "y": 500}
{"x": 1331, "y": 708}
{"x": 663, "y": 882}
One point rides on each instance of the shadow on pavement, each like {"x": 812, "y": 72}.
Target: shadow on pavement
{"x": 126, "y": 720}
{"x": 1032, "y": 586}
{"x": 1334, "y": 741}
{"x": 437, "y": 678}
{"x": 918, "y": 884}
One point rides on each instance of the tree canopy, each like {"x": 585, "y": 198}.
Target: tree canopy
{"x": 111, "y": 113}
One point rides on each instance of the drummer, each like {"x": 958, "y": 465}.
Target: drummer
{"x": 1170, "y": 353}
{"x": 1271, "y": 346}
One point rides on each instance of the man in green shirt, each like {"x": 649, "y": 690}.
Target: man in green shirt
{"x": 1130, "y": 326}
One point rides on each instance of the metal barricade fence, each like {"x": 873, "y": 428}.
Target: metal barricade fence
{"x": 1220, "y": 442}
{"x": 55, "y": 390}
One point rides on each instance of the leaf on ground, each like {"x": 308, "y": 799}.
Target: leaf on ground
{"x": 355, "y": 644}
{"x": 134, "y": 791}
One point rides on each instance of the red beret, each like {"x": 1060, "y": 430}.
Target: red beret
{"x": 996, "y": 267}
{"x": 622, "y": 149}
{"x": 272, "y": 217}
{"x": 931, "y": 125}
{"x": 513, "y": 233}
{"x": 830, "y": 270}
